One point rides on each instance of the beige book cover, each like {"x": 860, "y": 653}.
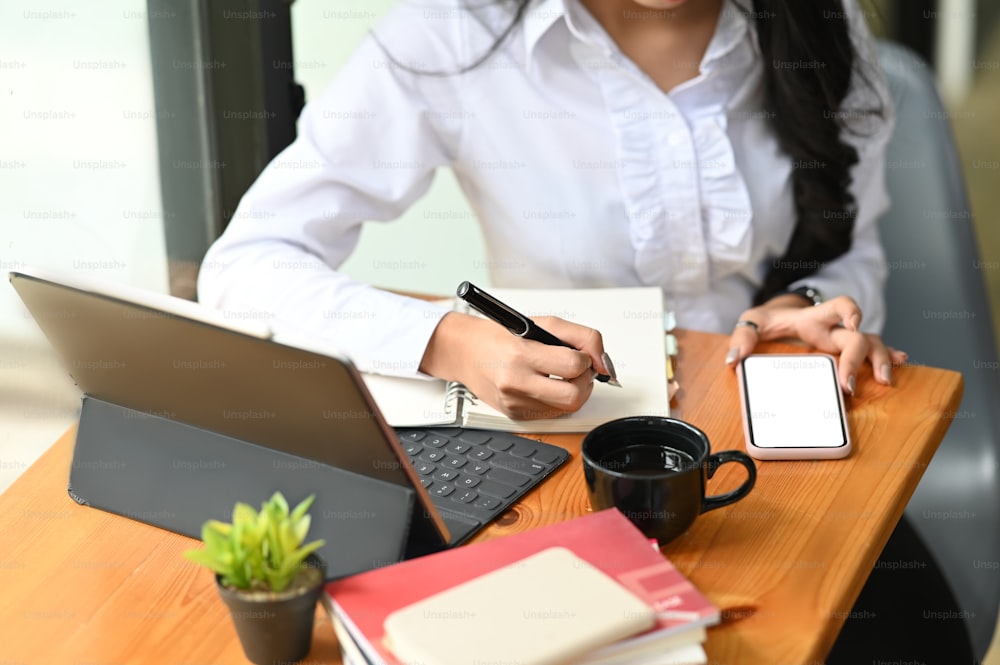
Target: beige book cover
{"x": 550, "y": 608}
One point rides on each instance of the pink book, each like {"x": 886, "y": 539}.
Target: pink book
{"x": 605, "y": 539}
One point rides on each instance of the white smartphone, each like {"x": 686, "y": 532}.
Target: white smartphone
{"x": 793, "y": 407}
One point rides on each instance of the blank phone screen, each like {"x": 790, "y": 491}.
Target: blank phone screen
{"x": 793, "y": 401}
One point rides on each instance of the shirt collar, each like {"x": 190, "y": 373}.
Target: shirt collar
{"x": 732, "y": 28}
{"x": 540, "y": 17}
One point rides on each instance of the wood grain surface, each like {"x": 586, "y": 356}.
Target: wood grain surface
{"x": 785, "y": 564}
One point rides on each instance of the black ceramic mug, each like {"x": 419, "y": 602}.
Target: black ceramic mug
{"x": 654, "y": 470}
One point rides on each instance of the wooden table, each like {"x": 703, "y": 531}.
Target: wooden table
{"x": 785, "y": 564}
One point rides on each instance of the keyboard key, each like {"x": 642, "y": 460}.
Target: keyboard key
{"x": 460, "y": 524}
{"x": 488, "y": 502}
{"x": 495, "y": 489}
{"x": 458, "y": 448}
{"x": 474, "y": 436}
{"x": 547, "y": 456}
{"x": 499, "y": 445}
{"x": 454, "y": 462}
{"x": 516, "y": 464}
{"x": 446, "y": 475}
{"x": 520, "y": 465}
{"x": 442, "y": 489}
{"x": 424, "y": 468}
{"x": 508, "y": 477}
{"x": 534, "y": 468}
{"x": 432, "y": 455}
{"x": 477, "y": 468}
{"x": 468, "y": 511}
{"x": 474, "y": 475}
{"x": 523, "y": 449}
{"x": 468, "y": 481}
{"x": 468, "y": 496}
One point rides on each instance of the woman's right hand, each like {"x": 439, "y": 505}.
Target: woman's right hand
{"x": 514, "y": 375}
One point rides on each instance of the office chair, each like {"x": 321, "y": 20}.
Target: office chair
{"x": 939, "y": 313}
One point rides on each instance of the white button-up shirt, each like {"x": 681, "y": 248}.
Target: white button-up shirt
{"x": 580, "y": 170}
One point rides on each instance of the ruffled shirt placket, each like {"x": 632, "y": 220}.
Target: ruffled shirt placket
{"x": 687, "y": 206}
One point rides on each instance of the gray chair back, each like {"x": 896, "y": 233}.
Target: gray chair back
{"x": 939, "y": 313}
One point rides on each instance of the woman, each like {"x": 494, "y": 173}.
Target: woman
{"x": 732, "y": 155}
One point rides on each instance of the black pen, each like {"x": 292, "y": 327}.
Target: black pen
{"x": 520, "y": 325}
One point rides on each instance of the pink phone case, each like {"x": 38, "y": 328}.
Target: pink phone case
{"x": 793, "y": 453}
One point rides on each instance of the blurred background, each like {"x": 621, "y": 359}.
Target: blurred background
{"x": 130, "y": 128}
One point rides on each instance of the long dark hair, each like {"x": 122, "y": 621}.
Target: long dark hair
{"x": 809, "y": 59}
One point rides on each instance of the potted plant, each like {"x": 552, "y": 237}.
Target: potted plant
{"x": 266, "y": 576}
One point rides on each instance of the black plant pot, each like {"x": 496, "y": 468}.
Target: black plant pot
{"x": 274, "y": 627}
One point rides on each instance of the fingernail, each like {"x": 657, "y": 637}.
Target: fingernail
{"x": 886, "y": 372}
{"x": 672, "y": 389}
{"x": 855, "y": 320}
{"x": 850, "y": 384}
{"x": 732, "y": 355}
{"x": 610, "y": 366}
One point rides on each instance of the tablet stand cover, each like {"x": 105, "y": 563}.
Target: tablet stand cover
{"x": 185, "y": 414}
{"x": 176, "y": 476}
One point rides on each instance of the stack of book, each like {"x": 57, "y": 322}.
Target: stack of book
{"x": 592, "y": 590}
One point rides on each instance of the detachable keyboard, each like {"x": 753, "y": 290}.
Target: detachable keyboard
{"x": 474, "y": 475}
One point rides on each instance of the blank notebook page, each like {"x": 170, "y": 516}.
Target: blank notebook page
{"x": 631, "y": 323}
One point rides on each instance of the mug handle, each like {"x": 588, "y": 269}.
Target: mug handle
{"x": 716, "y": 460}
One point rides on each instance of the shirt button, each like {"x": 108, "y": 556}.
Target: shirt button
{"x": 675, "y": 138}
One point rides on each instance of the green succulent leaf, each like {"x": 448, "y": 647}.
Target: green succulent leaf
{"x": 301, "y": 527}
{"x": 287, "y": 540}
{"x": 278, "y": 501}
{"x": 244, "y": 513}
{"x": 207, "y": 559}
{"x": 302, "y": 508}
{"x": 259, "y": 549}
{"x": 222, "y": 528}
{"x": 295, "y": 559}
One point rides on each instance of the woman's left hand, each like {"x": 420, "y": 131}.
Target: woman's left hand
{"x": 831, "y": 327}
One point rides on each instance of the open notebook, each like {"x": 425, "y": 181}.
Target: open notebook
{"x": 631, "y": 322}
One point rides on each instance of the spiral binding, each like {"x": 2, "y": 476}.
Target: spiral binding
{"x": 458, "y": 395}
{"x": 458, "y": 391}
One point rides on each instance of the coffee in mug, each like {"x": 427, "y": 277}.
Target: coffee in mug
{"x": 655, "y": 471}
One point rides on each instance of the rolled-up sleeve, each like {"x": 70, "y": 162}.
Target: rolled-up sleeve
{"x": 367, "y": 149}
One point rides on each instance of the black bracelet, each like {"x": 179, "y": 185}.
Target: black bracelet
{"x": 809, "y": 293}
